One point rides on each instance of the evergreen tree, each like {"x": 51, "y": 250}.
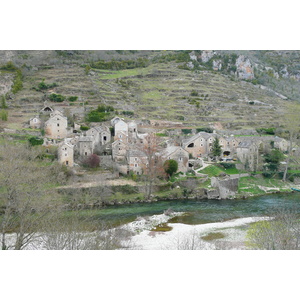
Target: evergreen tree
{"x": 216, "y": 148}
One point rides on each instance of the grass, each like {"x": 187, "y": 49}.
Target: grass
{"x": 213, "y": 236}
{"x": 212, "y": 171}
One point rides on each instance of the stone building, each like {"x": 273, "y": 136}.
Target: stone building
{"x": 119, "y": 150}
{"x": 247, "y": 153}
{"x": 200, "y": 144}
{"x": 35, "y": 122}
{"x": 137, "y": 161}
{"x": 66, "y": 154}
{"x": 85, "y": 146}
{"x": 56, "y": 126}
{"x": 178, "y": 154}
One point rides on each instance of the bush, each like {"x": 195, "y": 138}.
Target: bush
{"x": 9, "y": 67}
{"x": 171, "y": 167}
{"x": 4, "y": 115}
{"x": 270, "y": 131}
{"x": 226, "y": 165}
{"x": 84, "y": 128}
{"x": 35, "y": 141}
{"x": 205, "y": 129}
{"x": 57, "y": 98}
{"x": 194, "y": 93}
{"x": 186, "y": 131}
{"x": 92, "y": 161}
{"x": 73, "y": 98}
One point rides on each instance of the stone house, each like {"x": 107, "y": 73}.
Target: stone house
{"x": 200, "y": 144}
{"x": 178, "y": 154}
{"x": 137, "y": 161}
{"x": 247, "y": 153}
{"x": 121, "y": 126}
{"x": 121, "y": 136}
{"x": 229, "y": 145}
{"x": 66, "y": 154}
{"x": 85, "y": 146}
{"x": 119, "y": 150}
{"x": 35, "y": 122}
{"x": 56, "y": 126}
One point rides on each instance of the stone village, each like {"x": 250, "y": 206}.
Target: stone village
{"x": 125, "y": 144}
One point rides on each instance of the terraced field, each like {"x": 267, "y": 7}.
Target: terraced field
{"x": 160, "y": 91}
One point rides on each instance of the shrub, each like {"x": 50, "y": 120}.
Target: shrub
{"x": 84, "y": 128}
{"x": 57, "y": 98}
{"x": 127, "y": 113}
{"x": 194, "y": 93}
{"x": 73, "y": 98}
{"x": 186, "y": 131}
{"x": 18, "y": 84}
{"x": 92, "y": 161}
{"x": 35, "y": 141}
{"x": 171, "y": 167}
{"x": 4, "y": 115}
{"x": 9, "y": 66}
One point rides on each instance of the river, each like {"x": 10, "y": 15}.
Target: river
{"x": 201, "y": 211}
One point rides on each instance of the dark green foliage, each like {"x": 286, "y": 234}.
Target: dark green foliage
{"x": 186, "y": 131}
{"x": 120, "y": 64}
{"x": 101, "y": 114}
{"x": 9, "y": 66}
{"x": 95, "y": 116}
{"x": 42, "y": 86}
{"x": 272, "y": 164}
{"x": 35, "y": 141}
{"x": 18, "y": 84}
{"x": 127, "y": 113}
{"x": 3, "y": 102}
{"x": 216, "y": 148}
{"x": 105, "y": 108}
{"x": 57, "y": 98}
{"x": 205, "y": 129}
{"x": 84, "y": 128}
{"x": 275, "y": 156}
{"x": 171, "y": 167}
{"x": 194, "y": 93}
{"x": 72, "y": 98}
{"x": 178, "y": 56}
{"x": 227, "y": 165}
{"x": 3, "y": 115}
{"x": 270, "y": 131}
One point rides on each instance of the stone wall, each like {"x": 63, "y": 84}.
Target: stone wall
{"x": 226, "y": 188}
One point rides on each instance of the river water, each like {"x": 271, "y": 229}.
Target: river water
{"x": 201, "y": 211}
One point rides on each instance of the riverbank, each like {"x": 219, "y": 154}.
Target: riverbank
{"x": 228, "y": 235}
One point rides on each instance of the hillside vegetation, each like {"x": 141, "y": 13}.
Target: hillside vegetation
{"x": 162, "y": 85}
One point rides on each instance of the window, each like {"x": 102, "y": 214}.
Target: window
{"x": 180, "y": 158}
{"x": 57, "y": 124}
{"x": 66, "y": 154}
{"x": 104, "y": 138}
{"x": 136, "y": 165}
{"x": 67, "y": 163}
{"x": 191, "y": 145}
{"x": 135, "y": 159}
{"x": 85, "y": 153}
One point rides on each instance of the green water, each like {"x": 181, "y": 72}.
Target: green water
{"x": 201, "y": 211}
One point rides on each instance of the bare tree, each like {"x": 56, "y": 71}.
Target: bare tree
{"x": 153, "y": 165}
{"x": 25, "y": 193}
{"x": 292, "y": 121}
{"x": 281, "y": 232}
